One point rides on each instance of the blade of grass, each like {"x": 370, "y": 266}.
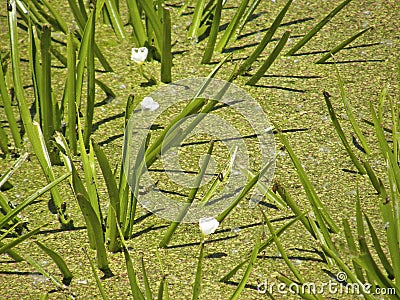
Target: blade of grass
{"x": 341, "y": 134}
{"x": 166, "y": 55}
{"x": 14, "y": 212}
{"x": 319, "y": 210}
{"x": 353, "y": 249}
{"x": 116, "y": 20}
{"x": 212, "y": 38}
{"x": 246, "y": 189}
{"x": 233, "y": 24}
{"x": 113, "y": 194}
{"x": 199, "y": 271}
{"x": 59, "y": 261}
{"x": 197, "y": 181}
{"x": 262, "y": 247}
{"x": 101, "y": 253}
{"x": 91, "y": 94}
{"x": 317, "y": 28}
{"x": 341, "y": 46}
{"x": 96, "y": 276}
{"x": 350, "y": 115}
{"x": 71, "y": 93}
{"x": 138, "y": 29}
{"x": 265, "y": 41}
{"x": 249, "y": 268}
{"x": 271, "y": 58}
{"x": 136, "y": 292}
{"x": 197, "y": 14}
{"x": 155, "y": 22}
{"x": 20, "y": 239}
{"x": 12, "y": 122}
{"x": 378, "y": 248}
{"x": 4, "y": 141}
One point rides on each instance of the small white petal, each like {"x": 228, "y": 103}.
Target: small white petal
{"x": 139, "y": 55}
{"x": 148, "y": 104}
{"x": 208, "y": 225}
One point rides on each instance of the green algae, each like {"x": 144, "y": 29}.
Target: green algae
{"x": 291, "y": 95}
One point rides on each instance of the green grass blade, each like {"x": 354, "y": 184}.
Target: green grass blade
{"x": 136, "y": 292}
{"x": 341, "y": 134}
{"x": 12, "y": 122}
{"x": 350, "y": 275}
{"x": 192, "y": 194}
{"x": 96, "y": 276}
{"x": 101, "y": 253}
{"x": 19, "y": 239}
{"x": 317, "y": 28}
{"x": 166, "y": 54}
{"x": 233, "y": 24}
{"x": 192, "y": 107}
{"x": 294, "y": 207}
{"x": 385, "y": 149}
{"x": 304, "y": 295}
{"x": 116, "y": 20}
{"x": 378, "y": 248}
{"x": 155, "y": 22}
{"x": 376, "y": 182}
{"x": 199, "y": 272}
{"x": 271, "y": 58}
{"x": 59, "y": 261}
{"x": 353, "y": 249}
{"x": 341, "y": 46}
{"x": 246, "y": 189}
{"x": 350, "y": 115}
{"x": 14, "y": 212}
{"x": 41, "y": 270}
{"x": 249, "y": 268}
{"x": 46, "y": 102}
{"x": 371, "y": 268}
{"x": 113, "y": 194}
{"x": 60, "y": 21}
{"x": 81, "y": 20}
{"x": 137, "y": 25}
{"x": 265, "y": 41}
{"x": 196, "y": 19}
{"x": 316, "y": 204}
{"x": 249, "y": 12}
{"x": 91, "y": 93}
{"x": 4, "y": 141}
{"x": 149, "y": 294}
{"x": 262, "y": 247}
{"x": 281, "y": 250}
{"x": 33, "y": 131}
{"x": 212, "y": 38}
{"x": 71, "y": 93}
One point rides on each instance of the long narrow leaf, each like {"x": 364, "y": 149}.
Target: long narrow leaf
{"x": 271, "y": 58}
{"x": 317, "y": 28}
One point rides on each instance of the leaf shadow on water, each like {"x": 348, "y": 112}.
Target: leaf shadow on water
{"x": 111, "y": 139}
{"x": 242, "y": 47}
{"x": 58, "y": 230}
{"x": 197, "y": 243}
{"x": 147, "y": 230}
{"x": 345, "y": 48}
{"x": 106, "y": 120}
{"x": 280, "y": 88}
{"x": 298, "y": 21}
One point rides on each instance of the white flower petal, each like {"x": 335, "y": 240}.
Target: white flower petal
{"x": 148, "y": 104}
{"x": 208, "y": 225}
{"x": 139, "y": 55}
